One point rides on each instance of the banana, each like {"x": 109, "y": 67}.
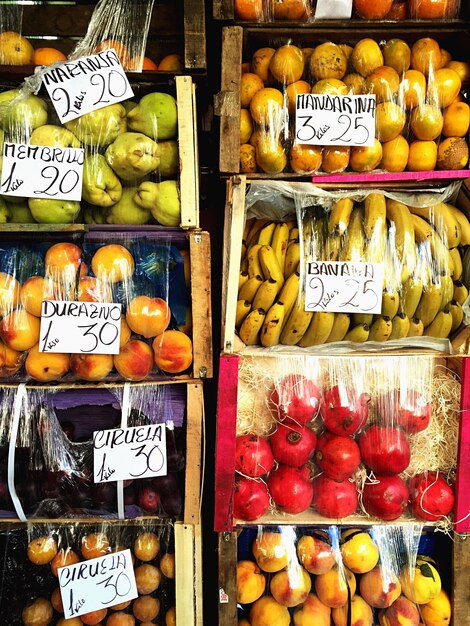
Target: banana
{"x": 410, "y": 295}
{"x": 354, "y": 240}
{"x": 292, "y": 258}
{"x": 265, "y": 235}
{"x": 390, "y": 303}
{"x": 256, "y": 227}
{"x": 400, "y": 326}
{"x": 266, "y": 294}
{"x": 332, "y": 247}
{"x": 381, "y": 329}
{"x": 429, "y": 303}
{"x": 254, "y": 265}
{"x": 242, "y": 278}
{"x": 296, "y": 324}
{"x": 315, "y": 238}
{"x": 318, "y": 330}
{"x": 460, "y": 292}
{"x": 248, "y": 226}
{"x": 447, "y": 287}
{"x": 424, "y": 232}
{"x": 399, "y": 216}
{"x": 294, "y": 234}
{"x": 279, "y": 242}
{"x": 243, "y": 308}
{"x": 249, "y": 289}
{"x": 375, "y": 215}
{"x": 444, "y": 222}
{"x": 361, "y": 318}
{"x": 457, "y": 314}
{"x": 270, "y": 266}
{"x": 272, "y": 325}
{"x": 358, "y": 334}
{"x": 244, "y": 265}
{"x": 441, "y": 325}
{"x": 243, "y": 251}
{"x": 464, "y": 224}
{"x": 340, "y": 327}
{"x": 416, "y": 327}
{"x": 289, "y": 293}
{"x": 339, "y": 216}
{"x": 457, "y": 261}
{"x": 251, "y": 326}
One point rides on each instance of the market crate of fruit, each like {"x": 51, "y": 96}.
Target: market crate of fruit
{"x": 57, "y": 460}
{"x": 285, "y": 242}
{"x": 159, "y": 279}
{"x": 418, "y": 86}
{"x": 294, "y": 575}
{"x": 152, "y": 563}
{"x": 354, "y": 439}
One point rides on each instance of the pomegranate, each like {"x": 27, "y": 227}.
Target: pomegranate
{"x": 333, "y": 498}
{"x": 385, "y": 450}
{"x": 338, "y": 457}
{"x": 410, "y": 410}
{"x": 290, "y": 489}
{"x": 293, "y": 445}
{"x": 250, "y": 500}
{"x": 431, "y": 496}
{"x": 386, "y": 499}
{"x": 344, "y": 411}
{"x": 253, "y": 455}
{"x": 295, "y": 398}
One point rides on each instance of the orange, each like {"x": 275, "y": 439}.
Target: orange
{"x": 332, "y": 86}
{"x": 397, "y": 54}
{"x": 15, "y": 49}
{"x": 307, "y": 52}
{"x": 246, "y": 126}
{"x": 248, "y": 159}
{"x": 250, "y": 10}
{"x": 355, "y": 83}
{"x": 287, "y": 64}
{"x": 260, "y": 64}
{"x": 433, "y": 9}
{"x": 422, "y": 156}
{"x": 118, "y": 47}
{"x": 395, "y": 154}
{"x": 383, "y": 82}
{"x": 366, "y": 57}
{"x": 47, "y": 56}
{"x": 444, "y": 87}
{"x": 300, "y": 86}
{"x": 171, "y": 63}
{"x": 146, "y": 62}
{"x": 304, "y": 158}
{"x": 328, "y": 61}
{"x": 399, "y": 10}
{"x": 372, "y": 9}
{"x": 390, "y": 120}
{"x": 452, "y": 154}
{"x": 148, "y": 65}
{"x": 249, "y": 85}
{"x": 335, "y": 159}
{"x": 426, "y": 56}
{"x": 456, "y": 120}
{"x": 266, "y": 106}
{"x": 346, "y": 50}
{"x": 412, "y": 90}
{"x": 446, "y": 57}
{"x": 292, "y": 10}
{"x": 426, "y": 122}
{"x": 462, "y": 68}
{"x": 366, "y": 158}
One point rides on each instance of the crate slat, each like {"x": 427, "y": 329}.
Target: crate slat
{"x": 228, "y": 105}
{"x": 227, "y": 579}
{"x": 194, "y": 421}
{"x": 184, "y": 575}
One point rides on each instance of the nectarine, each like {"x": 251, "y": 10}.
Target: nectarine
{"x": 173, "y": 351}
{"x": 20, "y": 330}
{"x": 91, "y": 289}
{"x": 148, "y": 317}
{"x": 10, "y": 361}
{"x": 9, "y": 293}
{"x": 46, "y": 366}
{"x": 62, "y": 261}
{"x": 135, "y": 360}
{"x": 91, "y": 367}
{"x": 113, "y": 263}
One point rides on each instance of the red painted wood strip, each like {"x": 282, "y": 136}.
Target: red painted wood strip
{"x": 383, "y": 177}
{"x": 462, "y": 488}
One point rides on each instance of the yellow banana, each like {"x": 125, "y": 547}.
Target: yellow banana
{"x": 256, "y": 227}
{"x": 361, "y": 318}
{"x": 464, "y": 224}
{"x": 294, "y": 234}
{"x": 270, "y": 266}
{"x": 424, "y": 232}
{"x": 272, "y": 325}
{"x": 358, "y": 334}
{"x": 381, "y": 329}
{"x": 332, "y": 247}
{"x": 243, "y": 308}
{"x": 410, "y": 295}
{"x": 242, "y": 278}
{"x": 243, "y": 252}
{"x": 244, "y": 265}
{"x": 429, "y": 304}
{"x": 375, "y": 215}
{"x": 339, "y": 216}
{"x": 290, "y": 292}
{"x": 400, "y": 326}
{"x": 297, "y": 323}
{"x": 460, "y": 292}
{"x": 390, "y": 303}
{"x": 254, "y": 265}
{"x": 399, "y": 216}
{"x": 447, "y": 287}
{"x": 292, "y": 258}
{"x": 441, "y": 325}
{"x": 340, "y": 327}
{"x": 291, "y": 224}
{"x": 265, "y": 295}
{"x": 279, "y": 243}
{"x": 315, "y": 238}
{"x": 251, "y": 327}
{"x": 457, "y": 314}
{"x": 457, "y": 261}
{"x": 444, "y": 222}
{"x": 265, "y": 235}
{"x": 416, "y": 327}
{"x": 354, "y": 240}
{"x": 249, "y": 288}
{"x": 318, "y": 330}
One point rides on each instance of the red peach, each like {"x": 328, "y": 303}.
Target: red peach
{"x": 91, "y": 289}
{"x": 125, "y": 336}
{"x": 9, "y": 293}
{"x": 380, "y": 587}
{"x": 173, "y": 351}
{"x": 148, "y": 317}
{"x": 63, "y": 261}
{"x": 135, "y": 360}
{"x": 315, "y": 552}
{"x": 91, "y": 366}
{"x": 402, "y": 612}
{"x": 10, "y": 361}
{"x": 113, "y": 263}
{"x": 46, "y": 366}
{"x": 20, "y": 330}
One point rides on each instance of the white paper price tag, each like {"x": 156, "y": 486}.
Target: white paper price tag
{"x": 333, "y": 9}
{"x": 97, "y": 583}
{"x": 87, "y": 84}
{"x": 344, "y": 287}
{"x": 80, "y": 327}
{"x": 42, "y": 171}
{"x": 127, "y": 453}
{"x": 328, "y": 120}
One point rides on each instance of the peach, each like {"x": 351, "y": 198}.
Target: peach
{"x": 359, "y": 552}
{"x": 20, "y": 330}
{"x": 120, "y": 619}
{"x": 125, "y": 336}
{"x": 91, "y": 366}
{"x": 93, "y": 617}
{"x": 91, "y": 289}
{"x": 62, "y": 261}
{"x": 147, "y": 578}
{"x": 402, "y": 612}
{"x": 380, "y": 587}
{"x": 10, "y": 361}
{"x": 146, "y": 546}
{"x": 146, "y": 608}
{"x": 33, "y": 292}
{"x": 270, "y": 550}
{"x": 46, "y": 366}
{"x": 291, "y": 586}
{"x": 113, "y": 263}
{"x": 251, "y": 582}
{"x": 148, "y": 317}
{"x": 173, "y": 351}
{"x": 315, "y": 553}
{"x": 312, "y": 611}
{"x": 360, "y": 614}
{"x": 9, "y": 293}
{"x": 267, "y": 612}
{"x": 135, "y": 360}
{"x": 332, "y": 587}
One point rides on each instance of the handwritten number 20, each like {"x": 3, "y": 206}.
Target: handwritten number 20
{"x": 51, "y": 172}
{"x": 107, "y": 85}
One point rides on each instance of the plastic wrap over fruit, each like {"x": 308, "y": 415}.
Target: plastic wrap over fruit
{"x": 345, "y": 438}
{"x": 421, "y": 114}
{"x": 342, "y": 575}
{"x": 144, "y": 273}
{"x": 274, "y": 10}
{"x": 48, "y": 470}
{"x": 418, "y": 237}
{"x": 32, "y": 556}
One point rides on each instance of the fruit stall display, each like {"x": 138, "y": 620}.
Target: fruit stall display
{"x": 419, "y": 83}
{"x": 33, "y": 554}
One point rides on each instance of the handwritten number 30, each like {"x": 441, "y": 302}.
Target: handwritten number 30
{"x": 121, "y": 589}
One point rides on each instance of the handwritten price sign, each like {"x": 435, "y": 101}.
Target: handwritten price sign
{"x": 42, "y": 171}
{"x": 329, "y": 120}
{"x": 80, "y": 327}
{"x": 87, "y": 84}
{"x": 97, "y": 583}
{"x": 127, "y": 453}
{"x": 344, "y": 287}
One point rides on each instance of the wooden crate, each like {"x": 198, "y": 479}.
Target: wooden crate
{"x": 239, "y": 44}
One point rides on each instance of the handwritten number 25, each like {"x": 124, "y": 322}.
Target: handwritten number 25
{"x": 344, "y": 119}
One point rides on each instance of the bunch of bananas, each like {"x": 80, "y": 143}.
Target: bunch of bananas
{"x": 422, "y": 294}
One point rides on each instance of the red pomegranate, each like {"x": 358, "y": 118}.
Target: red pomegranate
{"x": 293, "y": 445}
{"x": 409, "y": 409}
{"x": 344, "y": 411}
{"x": 338, "y": 457}
{"x": 253, "y": 455}
{"x": 431, "y": 497}
{"x": 289, "y": 489}
{"x": 385, "y": 450}
{"x": 387, "y": 498}
{"x": 250, "y": 500}
{"x": 334, "y": 499}
{"x": 295, "y": 397}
